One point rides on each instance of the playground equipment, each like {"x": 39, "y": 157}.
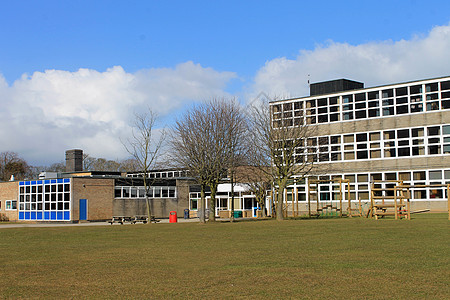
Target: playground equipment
{"x": 398, "y": 195}
{"x": 391, "y": 191}
{"x": 326, "y": 206}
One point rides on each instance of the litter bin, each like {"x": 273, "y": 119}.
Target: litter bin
{"x": 186, "y": 213}
{"x": 237, "y": 214}
{"x": 173, "y": 217}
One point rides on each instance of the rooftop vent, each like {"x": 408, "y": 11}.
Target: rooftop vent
{"x": 334, "y": 86}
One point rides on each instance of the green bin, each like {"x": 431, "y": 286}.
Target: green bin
{"x": 237, "y": 214}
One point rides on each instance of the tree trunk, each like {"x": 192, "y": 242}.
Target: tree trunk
{"x": 281, "y": 188}
{"x": 201, "y": 206}
{"x": 232, "y": 197}
{"x": 212, "y": 203}
{"x": 149, "y": 210}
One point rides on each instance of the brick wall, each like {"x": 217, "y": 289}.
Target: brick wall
{"x": 9, "y": 191}
{"x": 99, "y": 194}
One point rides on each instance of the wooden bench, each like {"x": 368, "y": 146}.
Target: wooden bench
{"x": 132, "y": 220}
{"x": 143, "y": 219}
{"x": 120, "y": 219}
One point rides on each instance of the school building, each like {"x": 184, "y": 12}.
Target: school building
{"x": 375, "y": 135}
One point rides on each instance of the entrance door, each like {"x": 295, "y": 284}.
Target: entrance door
{"x": 83, "y": 209}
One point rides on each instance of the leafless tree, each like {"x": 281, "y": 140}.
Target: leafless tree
{"x": 144, "y": 147}
{"x": 12, "y": 164}
{"x": 203, "y": 142}
{"x": 279, "y": 141}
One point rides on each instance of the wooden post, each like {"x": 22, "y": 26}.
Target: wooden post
{"x": 360, "y": 207}
{"x": 317, "y": 196}
{"x": 372, "y": 194}
{"x": 309, "y": 199}
{"x": 349, "y": 208}
{"x": 296, "y": 202}
{"x": 448, "y": 200}
{"x": 395, "y": 203}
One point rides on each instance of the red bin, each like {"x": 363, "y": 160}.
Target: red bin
{"x": 173, "y": 217}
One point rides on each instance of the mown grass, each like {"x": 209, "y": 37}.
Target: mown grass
{"x": 323, "y": 258}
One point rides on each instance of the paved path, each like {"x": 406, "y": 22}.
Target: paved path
{"x": 51, "y": 224}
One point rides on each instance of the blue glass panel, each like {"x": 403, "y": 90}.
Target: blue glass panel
{"x": 46, "y": 215}
{"x": 39, "y": 215}
{"x": 27, "y": 215}
{"x": 46, "y": 181}
{"x": 33, "y": 182}
{"x": 39, "y": 182}
{"x": 33, "y": 215}
{"x": 53, "y": 181}
{"x": 67, "y": 215}
{"x": 53, "y": 215}
{"x": 59, "y": 215}
{"x": 21, "y": 183}
{"x": 21, "y": 215}
{"x": 27, "y": 183}
{"x": 67, "y": 180}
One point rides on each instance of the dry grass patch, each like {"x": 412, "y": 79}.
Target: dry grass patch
{"x": 325, "y": 258}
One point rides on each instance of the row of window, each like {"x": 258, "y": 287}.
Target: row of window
{"x": 44, "y": 195}
{"x": 139, "y": 192}
{"x": 243, "y": 200}
{"x": 362, "y": 105}
{"x": 161, "y": 174}
{"x": 404, "y": 142}
{"x": 360, "y": 185}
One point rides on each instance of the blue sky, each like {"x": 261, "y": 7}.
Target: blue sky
{"x": 169, "y": 54}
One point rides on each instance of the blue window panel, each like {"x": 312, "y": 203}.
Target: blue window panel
{"x": 39, "y": 215}
{"x": 46, "y": 181}
{"x": 33, "y": 215}
{"x": 27, "y": 183}
{"x": 27, "y": 215}
{"x": 53, "y": 215}
{"x": 60, "y": 181}
{"x": 33, "y": 182}
{"x": 67, "y": 180}
{"x": 21, "y": 183}
{"x": 46, "y": 215}
{"x": 21, "y": 215}
{"x": 66, "y": 215}
{"x": 59, "y": 215}
{"x": 53, "y": 181}
{"x": 39, "y": 182}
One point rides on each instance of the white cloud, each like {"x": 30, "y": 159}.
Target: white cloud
{"x": 44, "y": 114}
{"x": 373, "y": 63}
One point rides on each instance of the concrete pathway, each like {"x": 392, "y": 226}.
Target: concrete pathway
{"x": 51, "y": 224}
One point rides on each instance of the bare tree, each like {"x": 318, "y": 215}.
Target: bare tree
{"x": 145, "y": 148}
{"x": 279, "y": 141}
{"x": 202, "y": 143}
{"x": 129, "y": 165}
{"x": 12, "y": 164}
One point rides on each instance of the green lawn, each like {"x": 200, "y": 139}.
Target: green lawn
{"x": 321, "y": 258}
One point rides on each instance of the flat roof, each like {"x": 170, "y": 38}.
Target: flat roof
{"x": 354, "y": 91}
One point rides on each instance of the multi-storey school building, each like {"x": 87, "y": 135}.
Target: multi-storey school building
{"x": 393, "y": 132}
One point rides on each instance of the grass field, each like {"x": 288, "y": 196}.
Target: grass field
{"x": 325, "y": 258}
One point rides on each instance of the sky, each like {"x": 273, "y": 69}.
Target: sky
{"x": 74, "y": 73}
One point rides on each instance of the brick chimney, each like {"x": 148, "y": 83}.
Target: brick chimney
{"x": 74, "y": 160}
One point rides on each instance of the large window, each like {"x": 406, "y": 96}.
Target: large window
{"x": 47, "y": 200}
{"x": 406, "y": 99}
{"x": 402, "y": 142}
{"x": 139, "y": 192}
